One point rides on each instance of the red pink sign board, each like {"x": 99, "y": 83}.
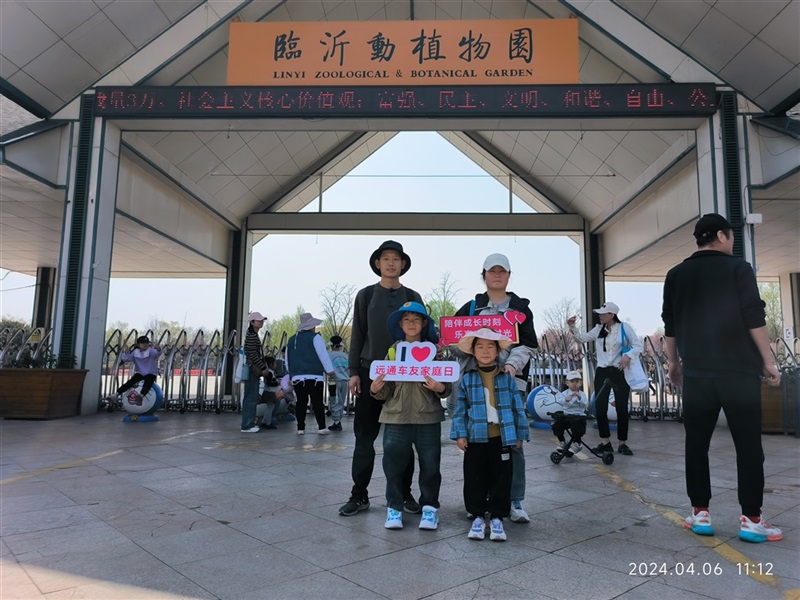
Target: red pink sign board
{"x": 452, "y": 329}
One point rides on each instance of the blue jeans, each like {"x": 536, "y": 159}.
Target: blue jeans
{"x": 397, "y": 451}
{"x": 249, "y": 401}
{"x": 517, "y": 473}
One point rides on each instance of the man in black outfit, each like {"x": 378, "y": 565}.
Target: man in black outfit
{"x": 370, "y": 340}
{"x": 714, "y": 320}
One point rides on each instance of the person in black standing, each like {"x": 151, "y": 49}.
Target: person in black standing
{"x": 717, "y": 348}
{"x": 370, "y": 340}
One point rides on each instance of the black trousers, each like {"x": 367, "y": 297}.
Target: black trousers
{"x": 149, "y": 380}
{"x": 487, "y": 479}
{"x": 366, "y": 427}
{"x": 740, "y": 397}
{"x": 576, "y": 424}
{"x": 305, "y": 390}
{"x": 621, "y": 393}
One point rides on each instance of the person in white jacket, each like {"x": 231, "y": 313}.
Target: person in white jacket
{"x": 617, "y": 345}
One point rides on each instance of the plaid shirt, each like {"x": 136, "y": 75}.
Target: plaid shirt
{"x": 469, "y": 417}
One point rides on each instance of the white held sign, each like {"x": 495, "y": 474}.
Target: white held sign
{"x": 413, "y": 361}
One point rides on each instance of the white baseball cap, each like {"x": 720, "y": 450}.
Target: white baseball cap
{"x": 608, "y": 307}
{"x": 574, "y": 375}
{"x": 496, "y": 260}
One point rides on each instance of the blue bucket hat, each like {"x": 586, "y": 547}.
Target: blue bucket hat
{"x": 428, "y": 334}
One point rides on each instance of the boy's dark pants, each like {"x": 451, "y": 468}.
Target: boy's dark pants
{"x": 487, "y": 479}
{"x": 366, "y": 428}
{"x": 397, "y": 450}
{"x": 576, "y": 425}
{"x": 149, "y": 380}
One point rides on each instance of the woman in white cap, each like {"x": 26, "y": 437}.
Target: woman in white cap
{"x": 308, "y": 362}
{"x": 613, "y": 354}
{"x": 254, "y": 353}
{"x": 514, "y": 360}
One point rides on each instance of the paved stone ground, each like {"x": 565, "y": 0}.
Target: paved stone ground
{"x": 190, "y": 508}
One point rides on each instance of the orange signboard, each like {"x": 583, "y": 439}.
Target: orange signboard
{"x": 529, "y": 51}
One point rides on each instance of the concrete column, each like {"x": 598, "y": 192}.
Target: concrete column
{"x": 43, "y": 297}
{"x": 593, "y": 278}
{"x": 722, "y": 167}
{"x": 790, "y": 306}
{"x": 237, "y": 292}
{"x": 85, "y": 262}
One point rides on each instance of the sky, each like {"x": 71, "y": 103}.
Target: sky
{"x": 413, "y": 172}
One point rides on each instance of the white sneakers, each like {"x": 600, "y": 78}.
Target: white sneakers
{"x": 325, "y": 431}
{"x": 478, "y": 529}
{"x": 497, "y": 533}
{"x": 394, "y": 519}
{"x": 749, "y": 531}
{"x": 758, "y": 532}
{"x": 430, "y": 518}
{"x": 253, "y": 429}
{"x": 699, "y": 523}
{"x": 518, "y": 514}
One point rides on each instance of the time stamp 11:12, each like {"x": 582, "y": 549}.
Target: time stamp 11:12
{"x": 653, "y": 569}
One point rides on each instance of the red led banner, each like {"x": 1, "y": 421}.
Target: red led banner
{"x": 608, "y": 100}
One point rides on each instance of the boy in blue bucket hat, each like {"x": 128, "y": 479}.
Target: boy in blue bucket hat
{"x": 412, "y": 415}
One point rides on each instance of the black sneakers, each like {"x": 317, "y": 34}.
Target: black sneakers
{"x": 411, "y": 506}
{"x": 354, "y": 506}
{"x": 623, "y": 449}
{"x": 600, "y": 448}
{"x": 335, "y": 427}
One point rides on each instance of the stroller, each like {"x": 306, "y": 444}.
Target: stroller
{"x": 568, "y": 422}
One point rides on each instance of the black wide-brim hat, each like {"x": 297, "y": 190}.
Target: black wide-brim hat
{"x": 389, "y": 245}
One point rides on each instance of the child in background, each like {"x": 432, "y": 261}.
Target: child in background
{"x": 572, "y": 402}
{"x": 412, "y": 415}
{"x": 488, "y": 421}
{"x": 145, "y": 367}
{"x": 342, "y": 377}
{"x": 265, "y": 410}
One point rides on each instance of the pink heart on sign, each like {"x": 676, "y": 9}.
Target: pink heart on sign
{"x": 420, "y": 353}
{"x": 514, "y": 316}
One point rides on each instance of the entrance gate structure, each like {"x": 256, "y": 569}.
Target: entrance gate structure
{"x": 113, "y": 110}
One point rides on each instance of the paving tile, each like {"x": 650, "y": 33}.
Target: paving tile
{"x": 407, "y": 574}
{"x": 319, "y": 586}
{"x": 191, "y": 546}
{"x": 238, "y": 572}
{"x": 193, "y": 509}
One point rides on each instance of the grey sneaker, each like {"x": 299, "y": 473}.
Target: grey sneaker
{"x": 497, "y": 533}
{"x": 478, "y": 529}
{"x": 518, "y": 514}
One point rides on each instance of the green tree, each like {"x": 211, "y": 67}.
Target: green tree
{"x": 281, "y": 329}
{"x": 771, "y": 295}
{"x": 442, "y": 299}
{"x": 337, "y": 311}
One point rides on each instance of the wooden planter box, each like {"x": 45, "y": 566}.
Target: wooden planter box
{"x": 40, "y": 393}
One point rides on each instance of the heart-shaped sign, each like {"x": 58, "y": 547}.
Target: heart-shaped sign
{"x": 513, "y": 317}
{"x": 420, "y": 353}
